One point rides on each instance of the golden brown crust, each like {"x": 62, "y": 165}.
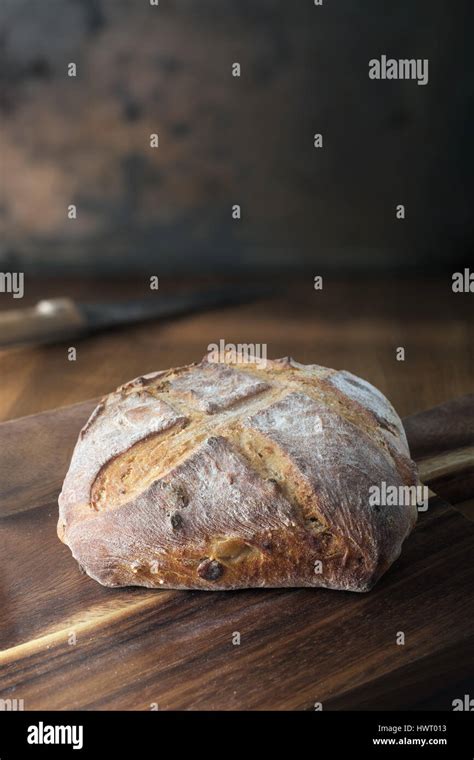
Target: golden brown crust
{"x": 213, "y": 476}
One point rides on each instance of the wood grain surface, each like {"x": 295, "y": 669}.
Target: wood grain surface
{"x": 69, "y": 643}
{"x": 355, "y": 325}
{"x": 135, "y": 648}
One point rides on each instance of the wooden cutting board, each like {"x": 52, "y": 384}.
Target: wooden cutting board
{"x": 69, "y": 643}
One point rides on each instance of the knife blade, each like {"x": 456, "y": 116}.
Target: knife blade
{"x": 60, "y": 318}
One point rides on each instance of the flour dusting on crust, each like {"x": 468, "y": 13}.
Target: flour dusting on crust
{"x": 214, "y": 477}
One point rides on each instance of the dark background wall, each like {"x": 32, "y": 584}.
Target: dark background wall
{"x": 224, "y": 140}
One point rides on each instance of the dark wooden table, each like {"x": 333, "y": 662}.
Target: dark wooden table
{"x": 356, "y": 325}
{"x": 135, "y": 648}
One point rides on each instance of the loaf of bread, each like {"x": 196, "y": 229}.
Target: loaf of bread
{"x": 223, "y": 476}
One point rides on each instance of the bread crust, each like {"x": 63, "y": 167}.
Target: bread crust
{"x": 215, "y": 476}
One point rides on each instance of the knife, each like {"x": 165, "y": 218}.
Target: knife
{"x": 60, "y": 318}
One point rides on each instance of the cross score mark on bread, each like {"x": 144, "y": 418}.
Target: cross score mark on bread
{"x": 213, "y": 476}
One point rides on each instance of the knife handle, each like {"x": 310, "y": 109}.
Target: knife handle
{"x": 52, "y": 318}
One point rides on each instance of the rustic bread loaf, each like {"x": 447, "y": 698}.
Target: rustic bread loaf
{"x": 213, "y": 476}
